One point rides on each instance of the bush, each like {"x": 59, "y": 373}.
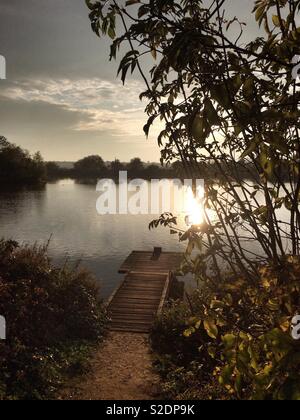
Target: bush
{"x": 54, "y": 316}
{"x": 233, "y": 334}
{"x": 18, "y": 167}
{"x": 178, "y": 358}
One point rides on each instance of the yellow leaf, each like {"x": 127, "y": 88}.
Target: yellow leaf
{"x": 211, "y": 328}
{"x": 276, "y": 20}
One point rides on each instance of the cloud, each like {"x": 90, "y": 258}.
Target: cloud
{"x": 37, "y": 115}
{"x": 103, "y": 105}
{"x": 68, "y": 119}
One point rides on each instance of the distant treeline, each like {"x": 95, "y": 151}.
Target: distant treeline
{"x": 93, "y": 167}
{"x": 19, "y": 168}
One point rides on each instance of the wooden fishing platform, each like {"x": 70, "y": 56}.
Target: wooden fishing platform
{"x": 156, "y": 261}
{"x": 141, "y": 296}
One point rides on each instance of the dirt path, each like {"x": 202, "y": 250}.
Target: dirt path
{"x": 121, "y": 370}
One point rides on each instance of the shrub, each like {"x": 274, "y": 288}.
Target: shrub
{"x": 178, "y": 358}
{"x": 235, "y": 334}
{"x": 54, "y": 315}
{"x": 18, "y": 167}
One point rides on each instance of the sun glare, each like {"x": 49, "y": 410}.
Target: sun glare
{"x": 194, "y": 208}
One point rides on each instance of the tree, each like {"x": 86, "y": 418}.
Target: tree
{"x": 234, "y": 107}
{"x": 90, "y": 167}
{"x": 178, "y": 169}
{"x": 18, "y": 167}
{"x": 135, "y": 168}
{"x": 38, "y": 166}
{"x": 116, "y": 167}
{"x": 229, "y": 104}
{"x": 3, "y": 142}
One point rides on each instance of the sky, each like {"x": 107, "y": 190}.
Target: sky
{"x": 62, "y": 96}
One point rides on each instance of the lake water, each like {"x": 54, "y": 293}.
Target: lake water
{"x": 66, "y": 212}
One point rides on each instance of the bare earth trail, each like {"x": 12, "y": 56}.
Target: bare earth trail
{"x": 120, "y": 370}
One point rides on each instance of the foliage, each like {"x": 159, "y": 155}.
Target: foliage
{"x": 91, "y": 166}
{"x": 234, "y": 104}
{"x": 235, "y": 333}
{"x": 17, "y": 167}
{"x": 185, "y": 370}
{"x": 225, "y": 102}
{"x": 135, "y": 167}
{"x": 53, "y": 315}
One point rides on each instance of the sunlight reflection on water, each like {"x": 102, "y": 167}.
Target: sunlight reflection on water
{"x": 66, "y": 212}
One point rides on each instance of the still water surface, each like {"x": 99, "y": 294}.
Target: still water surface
{"x": 66, "y": 212}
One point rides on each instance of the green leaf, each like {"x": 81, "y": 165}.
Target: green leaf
{"x": 210, "y": 113}
{"x": 200, "y": 129}
{"x": 248, "y": 151}
{"x": 238, "y": 129}
{"x": 188, "y": 332}
{"x": 226, "y": 375}
{"x": 276, "y": 20}
{"x": 221, "y": 95}
{"x": 260, "y": 13}
{"x": 111, "y": 32}
{"x": 143, "y": 10}
{"x": 238, "y": 384}
{"x": 211, "y": 328}
{"x": 229, "y": 340}
{"x": 89, "y": 4}
{"x": 212, "y": 351}
{"x": 148, "y": 125}
{"x": 248, "y": 88}
{"x": 154, "y": 53}
{"x": 273, "y": 305}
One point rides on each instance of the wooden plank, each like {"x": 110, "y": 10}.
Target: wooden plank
{"x": 132, "y": 324}
{"x": 133, "y": 310}
{"x": 126, "y": 294}
{"x": 144, "y": 290}
{"x": 133, "y": 305}
{"x": 150, "y": 290}
{"x": 164, "y": 295}
{"x": 115, "y": 292}
{"x": 130, "y": 316}
{"x": 132, "y": 320}
{"x": 136, "y": 302}
{"x": 142, "y": 261}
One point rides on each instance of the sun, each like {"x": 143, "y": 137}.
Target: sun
{"x": 194, "y": 208}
